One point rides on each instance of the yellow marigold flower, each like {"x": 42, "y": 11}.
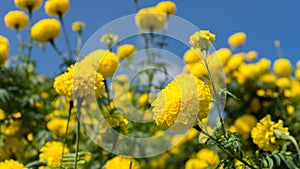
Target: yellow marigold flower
{"x": 143, "y": 100}
{"x": 58, "y": 126}
{"x": 126, "y": 51}
{"x": 183, "y": 100}
{"x": 117, "y": 121}
{"x": 105, "y": 61}
{"x": 235, "y": 61}
{"x": 202, "y": 39}
{"x": 197, "y": 69}
{"x": 16, "y": 20}
{"x": 192, "y": 55}
{"x": 51, "y": 152}
{"x": 283, "y": 67}
{"x": 11, "y": 164}
{"x": 28, "y": 5}
{"x": 4, "y": 41}
{"x": 4, "y": 48}
{"x": 195, "y": 163}
{"x": 224, "y": 55}
{"x": 3, "y": 54}
{"x": 81, "y": 80}
{"x": 264, "y": 64}
{"x": 122, "y": 162}
{"x": 268, "y": 78}
{"x": 151, "y": 19}
{"x": 45, "y": 30}
{"x": 237, "y": 39}
{"x": 298, "y": 64}
{"x": 244, "y": 125}
{"x": 168, "y": 7}
{"x": 251, "y": 55}
{"x": 13, "y": 128}
{"x": 263, "y": 134}
{"x": 78, "y": 26}
{"x": 283, "y": 82}
{"x": 297, "y": 74}
{"x": 209, "y": 157}
{"x": 57, "y": 7}
{"x": 2, "y": 114}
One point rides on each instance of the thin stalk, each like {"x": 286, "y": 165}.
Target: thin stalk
{"x": 136, "y": 4}
{"x": 79, "y": 102}
{"x": 65, "y": 33}
{"x": 107, "y": 90}
{"x": 214, "y": 90}
{"x": 30, "y": 39}
{"x": 55, "y": 48}
{"x": 77, "y": 143}
{"x": 20, "y": 42}
{"x": 71, "y": 104}
{"x": 79, "y": 41}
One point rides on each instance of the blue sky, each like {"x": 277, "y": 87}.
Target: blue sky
{"x": 263, "y": 21}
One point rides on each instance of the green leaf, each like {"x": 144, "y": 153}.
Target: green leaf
{"x": 277, "y": 158}
{"x": 288, "y": 161}
{"x": 270, "y": 162}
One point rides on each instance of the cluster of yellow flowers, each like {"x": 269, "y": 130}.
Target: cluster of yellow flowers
{"x": 51, "y": 152}
{"x": 122, "y": 162}
{"x": 11, "y": 164}
{"x": 205, "y": 158}
{"x": 265, "y": 134}
{"x": 154, "y": 18}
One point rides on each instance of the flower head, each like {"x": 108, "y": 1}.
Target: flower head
{"x": 58, "y": 126}
{"x": 283, "y": 67}
{"x": 224, "y": 55}
{"x": 183, "y": 101}
{"x": 16, "y": 20}
{"x": 202, "y": 39}
{"x": 244, "y": 124}
{"x": 78, "y": 26}
{"x": 104, "y": 61}
{"x": 11, "y": 164}
{"x": 57, "y": 7}
{"x": 192, "y": 55}
{"x": 205, "y": 158}
{"x": 168, "y": 7}
{"x": 28, "y": 5}
{"x": 263, "y": 134}
{"x": 52, "y": 152}
{"x": 237, "y": 39}
{"x": 80, "y": 81}
{"x": 3, "y": 54}
{"x": 151, "y": 19}
{"x": 126, "y": 51}
{"x": 122, "y": 162}
{"x": 45, "y": 30}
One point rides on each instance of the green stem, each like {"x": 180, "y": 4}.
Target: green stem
{"x": 79, "y": 102}
{"x": 65, "y": 33}
{"x": 77, "y": 143}
{"x": 214, "y": 90}
{"x": 71, "y": 104}
{"x": 107, "y": 90}
{"x": 136, "y": 4}
{"x": 79, "y": 41}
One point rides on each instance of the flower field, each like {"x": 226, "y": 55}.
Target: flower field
{"x": 127, "y": 100}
